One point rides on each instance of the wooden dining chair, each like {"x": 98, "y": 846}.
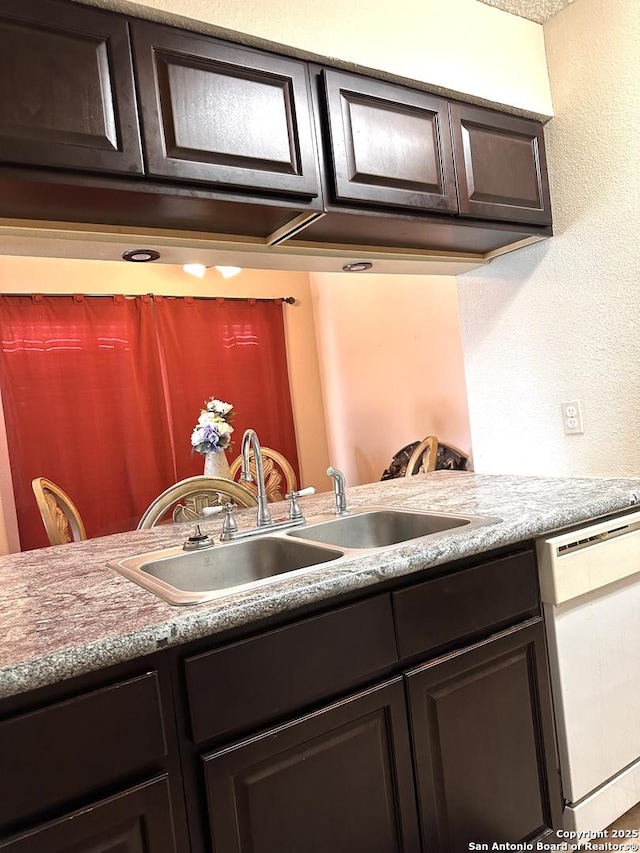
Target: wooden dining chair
{"x": 186, "y": 500}
{"x": 432, "y": 455}
{"x": 279, "y": 476}
{"x": 60, "y": 515}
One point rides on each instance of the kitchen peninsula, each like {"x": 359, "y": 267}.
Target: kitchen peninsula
{"x": 403, "y": 693}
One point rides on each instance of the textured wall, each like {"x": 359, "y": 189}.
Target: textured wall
{"x": 561, "y": 320}
{"x": 437, "y": 42}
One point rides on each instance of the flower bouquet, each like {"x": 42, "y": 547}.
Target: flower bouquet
{"x": 212, "y": 433}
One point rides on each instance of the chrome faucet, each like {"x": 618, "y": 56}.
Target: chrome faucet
{"x": 339, "y": 484}
{"x": 250, "y": 440}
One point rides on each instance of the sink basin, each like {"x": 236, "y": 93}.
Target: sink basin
{"x": 379, "y": 527}
{"x": 189, "y": 577}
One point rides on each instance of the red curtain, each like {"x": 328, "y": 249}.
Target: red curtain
{"x": 101, "y": 394}
{"x": 232, "y": 350}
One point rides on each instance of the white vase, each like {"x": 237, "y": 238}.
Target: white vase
{"x": 216, "y": 465}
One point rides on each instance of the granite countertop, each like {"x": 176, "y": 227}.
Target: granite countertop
{"x": 64, "y": 611}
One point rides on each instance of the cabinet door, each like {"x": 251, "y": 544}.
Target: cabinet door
{"x": 136, "y": 821}
{"x": 483, "y": 739}
{"x": 337, "y": 780}
{"x": 223, "y": 114}
{"x": 389, "y": 145}
{"x": 501, "y": 166}
{"x": 66, "y": 88}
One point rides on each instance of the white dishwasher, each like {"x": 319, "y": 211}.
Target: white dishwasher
{"x": 590, "y": 587}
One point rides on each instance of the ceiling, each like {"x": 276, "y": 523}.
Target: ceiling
{"x": 535, "y": 10}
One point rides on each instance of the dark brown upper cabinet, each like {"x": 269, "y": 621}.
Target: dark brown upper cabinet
{"x": 389, "y": 145}
{"x": 222, "y": 114}
{"x": 119, "y": 121}
{"x": 66, "y": 88}
{"x": 501, "y": 167}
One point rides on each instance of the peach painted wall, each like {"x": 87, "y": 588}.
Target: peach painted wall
{"x": 390, "y": 356}
{"x": 46, "y": 275}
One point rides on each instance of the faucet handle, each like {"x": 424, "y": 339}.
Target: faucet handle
{"x": 295, "y": 512}
{"x": 211, "y": 510}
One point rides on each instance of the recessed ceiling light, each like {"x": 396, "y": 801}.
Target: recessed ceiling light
{"x": 358, "y": 266}
{"x": 140, "y": 256}
{"x": 195, "y": 269}
{"x": 228, "y": 272}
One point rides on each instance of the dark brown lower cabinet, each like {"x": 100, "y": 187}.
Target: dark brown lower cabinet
{"x": 483, "y": 743}
{"x": 336, "y": 781}
{"x": 138, "y": 820}
{"x": 416, "y": 720}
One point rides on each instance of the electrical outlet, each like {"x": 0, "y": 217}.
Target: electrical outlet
{"x": 572, "y": 417}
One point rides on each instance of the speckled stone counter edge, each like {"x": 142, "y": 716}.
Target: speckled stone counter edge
{"x": 65, "y": 613}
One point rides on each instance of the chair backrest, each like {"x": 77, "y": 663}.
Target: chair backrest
{"x": 187, "y": 499}
{"x": 279, "y": 476}
{"x": 433, "y": 455}
{"x": 60, "y": 515}
{"x": 424, "y": 457}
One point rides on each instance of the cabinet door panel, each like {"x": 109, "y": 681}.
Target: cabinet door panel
{"x": 500, "y": 165}
{"x": 389, "y": 145}
{"x": 224, "y": 114}
{"x": 137, "y": 821}
{"x": 68, "y": 749}
{"x": 66, "y": 88}
{"x": 482, "y": 762}
{"x": 337, "y": 780}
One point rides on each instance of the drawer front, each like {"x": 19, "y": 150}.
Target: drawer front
{"x": 69, "y": 749}
{"x": 466, "y": 604}
{"x": 138, "y": 820}
{"x": 256, "y": 680}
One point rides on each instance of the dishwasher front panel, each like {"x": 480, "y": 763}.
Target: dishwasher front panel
{"x": 595, "y": 642}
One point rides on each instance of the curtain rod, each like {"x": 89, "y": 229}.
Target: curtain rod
{"x": 290, "y": 300}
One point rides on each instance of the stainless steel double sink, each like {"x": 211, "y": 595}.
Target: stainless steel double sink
{"x": 191, "y": 577}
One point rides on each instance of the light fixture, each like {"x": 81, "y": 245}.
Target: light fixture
{"x": 229, "y": 272}
{"x": 195, "y": 269}
{"x": 140, "y": 256}
{"x": 357, "y": 266}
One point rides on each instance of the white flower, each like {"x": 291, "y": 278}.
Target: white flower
{"x": 197, "y": 436}
{"x": 207, "y": 418}
{"x": 219, "y": 406}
